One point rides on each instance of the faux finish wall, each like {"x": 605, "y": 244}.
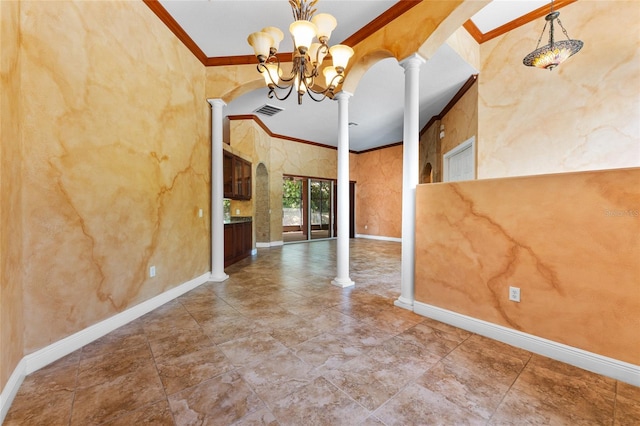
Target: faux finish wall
{"x": 461, "y": 122}
{"x": 378, "y": 176}
{"x": 581, "y": 116}
{"x": 11, "y": 231}
{"x": 569, "y": 241}
{"x": 115, "y": 136}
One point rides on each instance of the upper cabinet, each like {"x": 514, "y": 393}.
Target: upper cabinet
{"x": 236, "y": 177}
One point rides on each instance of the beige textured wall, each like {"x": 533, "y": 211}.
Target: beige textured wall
{"x": 461, "y": 122}
{"x": 11, "y": 301}
{"x": 582, "y": 115}
{"x": 116, "y": 163}
{"x": 379, "y": 192}
{"x": 569, "y": 241}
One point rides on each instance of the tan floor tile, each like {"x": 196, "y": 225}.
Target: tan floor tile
{"x": 252, "y": 348}
{"x": 103, "y": 368}
{"x": 486, "y": 363}
{"x": 277, "y": 377}
{"x": 229, "y": 329}
{"x": 416, "y": 404}
{"x": 574, "y": 394}
{"x": 219, "y": 401}
{"x": 327, "y": 351}
{"x": 628, "y": 391}
{"x": 192, "y": 368}
{"x": 122, "y": 394}
{"x": 122, "y": 338}
{"x": 465, "y": 388}
{"x": 155, "y": 414}
{"x": 318, "y": 403}
{"x": 50, "y": 408}
{"x": 178, "y": 344}
{"x": 435, "y": 340}
{"x": 262, "y": 417}
{"x": 519, "y": 408}
{"x": 371, "y": 379}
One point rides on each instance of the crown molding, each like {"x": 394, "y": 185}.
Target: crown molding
{"x": 275, "y": 135}
{"x": 459, "y": 94}
{"x": 383, "y": 19}
{"x": 481, "y": 37}
{"x": 176, "y": 29}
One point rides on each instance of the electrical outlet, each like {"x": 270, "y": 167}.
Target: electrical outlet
{"x": 514, "y": 294}
{"x": 152, "y": 271}
{"x": 199, "y": 212}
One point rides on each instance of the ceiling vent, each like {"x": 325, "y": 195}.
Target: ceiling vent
{"x": 268, "y": 110}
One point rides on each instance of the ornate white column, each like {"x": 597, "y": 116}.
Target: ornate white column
{"x": 410, "y": 176}
{"x": 342, "y": 279}
{"x": 217, "y": 193}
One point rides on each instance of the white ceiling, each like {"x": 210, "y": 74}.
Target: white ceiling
{"x": 220, "y": 28}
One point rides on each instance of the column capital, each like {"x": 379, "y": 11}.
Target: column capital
{"x": 343, "y": 95}
{"x": 413, "y": 61}
{"x": 216, "y": 101}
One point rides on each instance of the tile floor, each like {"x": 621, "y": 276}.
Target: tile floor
{"x": 277, "y": 344}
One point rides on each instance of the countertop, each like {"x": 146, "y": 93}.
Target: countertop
{"x": 238, "y": 219}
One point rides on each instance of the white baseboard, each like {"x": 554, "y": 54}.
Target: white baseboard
{"x": 271, "y": 244}
{"x": 379, "y": 237}
{"x": 45, "y": 356}
{"x": 620, "y": 370}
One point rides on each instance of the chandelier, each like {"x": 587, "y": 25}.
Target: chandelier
{"x": 556, "y": 52}
{"x": 307, "y": 55}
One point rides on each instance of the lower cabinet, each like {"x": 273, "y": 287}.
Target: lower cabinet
{"x": 237, "y": 241}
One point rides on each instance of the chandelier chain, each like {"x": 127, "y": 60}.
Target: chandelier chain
{"x": 563, "y": 30}
{"x": 542, "y": 34}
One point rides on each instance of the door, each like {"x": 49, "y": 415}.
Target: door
{"x": 460, "y": 162}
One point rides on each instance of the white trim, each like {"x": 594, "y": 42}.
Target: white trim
{"x": 45, "y": 356}
{"x": 620, "y": 370}
{"x": 379, "y": 237}
{"x": 267, "y": 245}
{"x": 471, "y": 142}
{"x": 11, "y": 388}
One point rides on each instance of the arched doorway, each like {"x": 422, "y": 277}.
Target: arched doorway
{"x": 427, "y": 174}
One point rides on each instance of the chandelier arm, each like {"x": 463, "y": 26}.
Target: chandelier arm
{"x": 273, "y": 94}
{"x": 274, "y": 83}
{"x": 324, "y": 94}
{"x": 324, "y": 48}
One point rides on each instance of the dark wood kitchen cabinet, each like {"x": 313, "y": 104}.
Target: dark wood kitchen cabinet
{"x": 238, "y": 241}
{"x": 236, "y": 177}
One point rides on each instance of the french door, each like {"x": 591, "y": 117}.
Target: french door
{"x": 307, "y": 209}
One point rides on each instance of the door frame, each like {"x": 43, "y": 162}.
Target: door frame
{"x": 469, "y": 143}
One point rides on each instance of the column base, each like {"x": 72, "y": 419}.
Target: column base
{"x": 342, "y": 282}
{"x": 403, "y": 303}
{"x": 218, "y": 278}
